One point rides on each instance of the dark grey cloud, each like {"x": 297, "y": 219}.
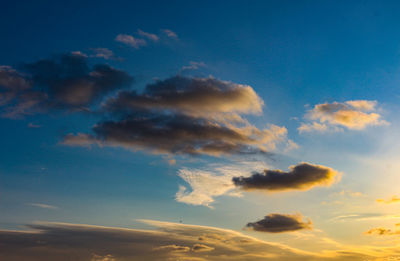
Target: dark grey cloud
{"x": 62, "y": 82}
{"x": 183, "y": 116}
{"x": 278, "y": 223}
{"x": 164, "y": 133}
{"x": 193, "y": 96}
{"x": 302, "y": 176}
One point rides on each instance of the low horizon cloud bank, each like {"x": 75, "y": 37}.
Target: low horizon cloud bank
{"x": 46, "y": 241}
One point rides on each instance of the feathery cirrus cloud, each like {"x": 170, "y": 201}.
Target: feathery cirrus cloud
{"x": 302, "y": 176}
{"x": 354, "y": 115}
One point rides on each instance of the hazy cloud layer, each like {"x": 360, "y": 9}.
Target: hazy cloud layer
{"x": 356, "y": 115}
{"x": 278, "y": 223}
{"x": 184, "y": 116}
{"x": 63, "y": 82}
{"x": 302, "y": 176}
{"x": 62, "y": 242}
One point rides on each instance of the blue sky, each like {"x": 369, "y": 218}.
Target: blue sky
{"x": 329, "y": 66}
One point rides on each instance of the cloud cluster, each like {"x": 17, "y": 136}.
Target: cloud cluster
{"x": 171, "y": 241}
{"x": 63, "y": 82}
{"x": 355, "y": 115}
{"x": 278, "y": 223}
{"x": 302, "y": 176}
{"x": 143, "y": 37}
{"x": 380, "y": 231}
{"x": 183, "y": 115}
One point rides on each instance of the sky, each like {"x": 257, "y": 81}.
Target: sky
{"x": 199, "y": 130}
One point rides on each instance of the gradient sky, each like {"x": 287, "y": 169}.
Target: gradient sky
{"x": 291, "y": 108}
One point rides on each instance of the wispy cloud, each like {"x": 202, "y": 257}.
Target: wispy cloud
{"x": 207, "y": 184}
{"x": 41, "y": 205}
{"x": 130, "y": 40}
{"x": 150, "y": 36}
{"x": 170, "y": 33}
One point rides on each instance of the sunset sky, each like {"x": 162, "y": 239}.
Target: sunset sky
{"x": 199, "y": 130}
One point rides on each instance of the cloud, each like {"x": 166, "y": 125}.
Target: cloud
{"x": 170, "y": 241}
{"x": 63, "y": 82}
{"x": 278, "y": 223}
{"x": 206, "y": 184}
{"x": 302, "y": 176}
{"x": 380, "y": 231}
{"x": 40, "y": 205}
{"x": 355, "y": 115}
{"x": 130, "y": 40}
{"x": 193, "y": 66}
{"x": 185, "y": 116}
{"x": 170, "y": 33}
{"x": 393, "y": 199}
{"x": 103, "y": 53}
{"x": 150, "y": 36}
{"x": 193, "y": 96}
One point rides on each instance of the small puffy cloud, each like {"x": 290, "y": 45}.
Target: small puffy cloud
{"x": 170, "y": 33}
{"x": 355, "y": 115}
{"x": 150, "y": 36}
{"x": 130, "y": 40}
{"x": 185, "y": 116}
{"x": 393, "y": 199}
{"x": 302, "y": 176}
{"x": 278, "y": 223}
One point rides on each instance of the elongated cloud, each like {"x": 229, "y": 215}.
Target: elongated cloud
{"x": 278, "y": 223}
{"x": 150, "y": 36}
{"x": 302, "y": 176}
{"x": 184, "y": 116}
{"x": 130, "y": 40}
{"x": 394, "y": 199}
{"x": 381, "y": 231}
{"x": 193, "y": 96}
{"x": 355, "y": 115}
{"x": 171, "y": 241}
{"x": 63, "y": 82}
